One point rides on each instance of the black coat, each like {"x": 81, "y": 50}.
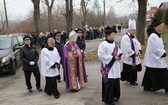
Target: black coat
{"x": 28, "y": 54}
{"x": 33, "y": 40}
{"x": 81, "y": 43}
{"x": 59, "y": 47}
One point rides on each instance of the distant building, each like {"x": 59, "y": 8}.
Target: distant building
{"x": 96, "y": 7}
{"x": 164, "y": 5}
{"x": 150, "y": 15}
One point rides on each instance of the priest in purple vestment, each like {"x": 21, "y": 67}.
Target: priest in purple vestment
{"x": 73, "y": 64}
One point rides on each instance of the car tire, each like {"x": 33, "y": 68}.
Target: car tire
{"x": 13, "y": 68}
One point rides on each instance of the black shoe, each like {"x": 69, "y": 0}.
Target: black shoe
{"x": 75, "y": 90}
{"x": 30, "y": 90}
{"x": 59, "y": 81}
{"x": 40, "y": 89}
{"x": 116, "y": 99}
{"x": 135, "y": 84}
{"x": 49, "y": 94}
{"x": 56, "y": 97}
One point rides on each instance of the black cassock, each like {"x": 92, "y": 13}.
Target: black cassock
{"x": 155, "y": 79}
{"x": 51, "y": 86}
{"x": 111, "y": 90}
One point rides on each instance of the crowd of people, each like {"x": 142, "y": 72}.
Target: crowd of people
{"x": 87, "y": 34}
{"x": 67, "y": 51}
{"x": 55, "y": 53}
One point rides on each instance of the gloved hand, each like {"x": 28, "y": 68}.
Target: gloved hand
{"x": 32, "y": 63}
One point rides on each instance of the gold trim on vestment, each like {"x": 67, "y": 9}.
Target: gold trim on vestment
{"x": 71, "y": 62}
{"x": 81, "y": 71}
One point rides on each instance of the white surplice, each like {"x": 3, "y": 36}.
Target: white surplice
{"x": 154, "y": 51}
{"x": 127, "y": 50}
{"x": 48, "y": 59}
{"x": 105, "y": 51}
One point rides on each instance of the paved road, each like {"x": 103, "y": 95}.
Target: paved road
{"x": 92, "y": 45}
{"x": 13, "y": 90}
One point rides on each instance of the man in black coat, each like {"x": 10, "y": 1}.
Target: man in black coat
{"x": 33, "y": 38}
{"x": 80, "y": 40}
{"x": 59, "y": 43}
{"x": 29, "y": 57}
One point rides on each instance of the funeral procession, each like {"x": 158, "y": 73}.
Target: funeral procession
{"x": 83, "y": 52}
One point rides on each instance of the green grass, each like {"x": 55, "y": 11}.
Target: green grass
{"x": 91, "y": 56}
{"x": 164, "y": 35}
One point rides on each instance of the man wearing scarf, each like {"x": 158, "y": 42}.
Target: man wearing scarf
{"x": 110, "y": 54}
{"x": 73, "y": 64}
{"x": 131, "y": 49}
{"x": 156, "y": 73}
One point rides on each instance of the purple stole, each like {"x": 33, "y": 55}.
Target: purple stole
{"x": 105, "y": 70}
{"x": 133, "y": 48}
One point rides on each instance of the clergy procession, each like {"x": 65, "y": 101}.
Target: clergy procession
{"x": 118, "y": 62}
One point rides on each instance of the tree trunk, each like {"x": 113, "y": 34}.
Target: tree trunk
{"x": 141, "y": 20}
{"x": 69, "y": 14}
{"x": 36, "y": 4}
{"x": 50, "y": 18}
{"x": 2, "y": 22}
{"x": 84, "y": 11}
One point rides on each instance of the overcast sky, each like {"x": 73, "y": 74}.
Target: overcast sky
{"x": 19, "y": 9}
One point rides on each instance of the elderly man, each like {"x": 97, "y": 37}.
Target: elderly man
{"x": 73, "y": 64}
{"x": 50, "y": 60}
{"x": 131, "y": 49}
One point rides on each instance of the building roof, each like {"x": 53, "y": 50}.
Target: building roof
{"x": 152, "y": 10}
{"x": 164, "y": 5}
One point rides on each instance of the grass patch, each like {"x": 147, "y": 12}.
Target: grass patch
{"x": 164, "y": 35}
{"x": 91, "y": 56}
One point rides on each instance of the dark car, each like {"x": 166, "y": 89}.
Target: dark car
{"x": 9, "y": 52}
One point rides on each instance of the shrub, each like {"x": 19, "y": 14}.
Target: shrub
{"x": 159, "y": 14}
{"x": 165, "y": 17}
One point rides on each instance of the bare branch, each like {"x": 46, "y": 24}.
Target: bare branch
{"x": 61, "y": 11}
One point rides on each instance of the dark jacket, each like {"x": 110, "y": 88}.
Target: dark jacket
{"x": 28, "y": 54}
{"x": 33, "y": 40}
{"x": 42, "y": 40}
{"x": 59, "y": 47}
{"x": 81, "y": 42}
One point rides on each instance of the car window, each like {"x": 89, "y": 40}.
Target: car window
{"x": 20, "y": 39}
{"x": 5, "y": 43}
{"x": 15, "y": 42}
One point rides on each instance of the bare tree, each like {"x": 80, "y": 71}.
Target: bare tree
{"x": 36, "y": 4}
{"x": 142, "y": 4}
{"x": 142, "y": 7}
{"x": 84, "y": 4}
{"x": 50, "y": 18}
{"x": 111, "y": 17}
{"x": 69, "y": 14}
{"x": 6, "y": 15}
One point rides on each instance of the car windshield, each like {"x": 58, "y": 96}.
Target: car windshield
{"x": 5, "y": 43}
